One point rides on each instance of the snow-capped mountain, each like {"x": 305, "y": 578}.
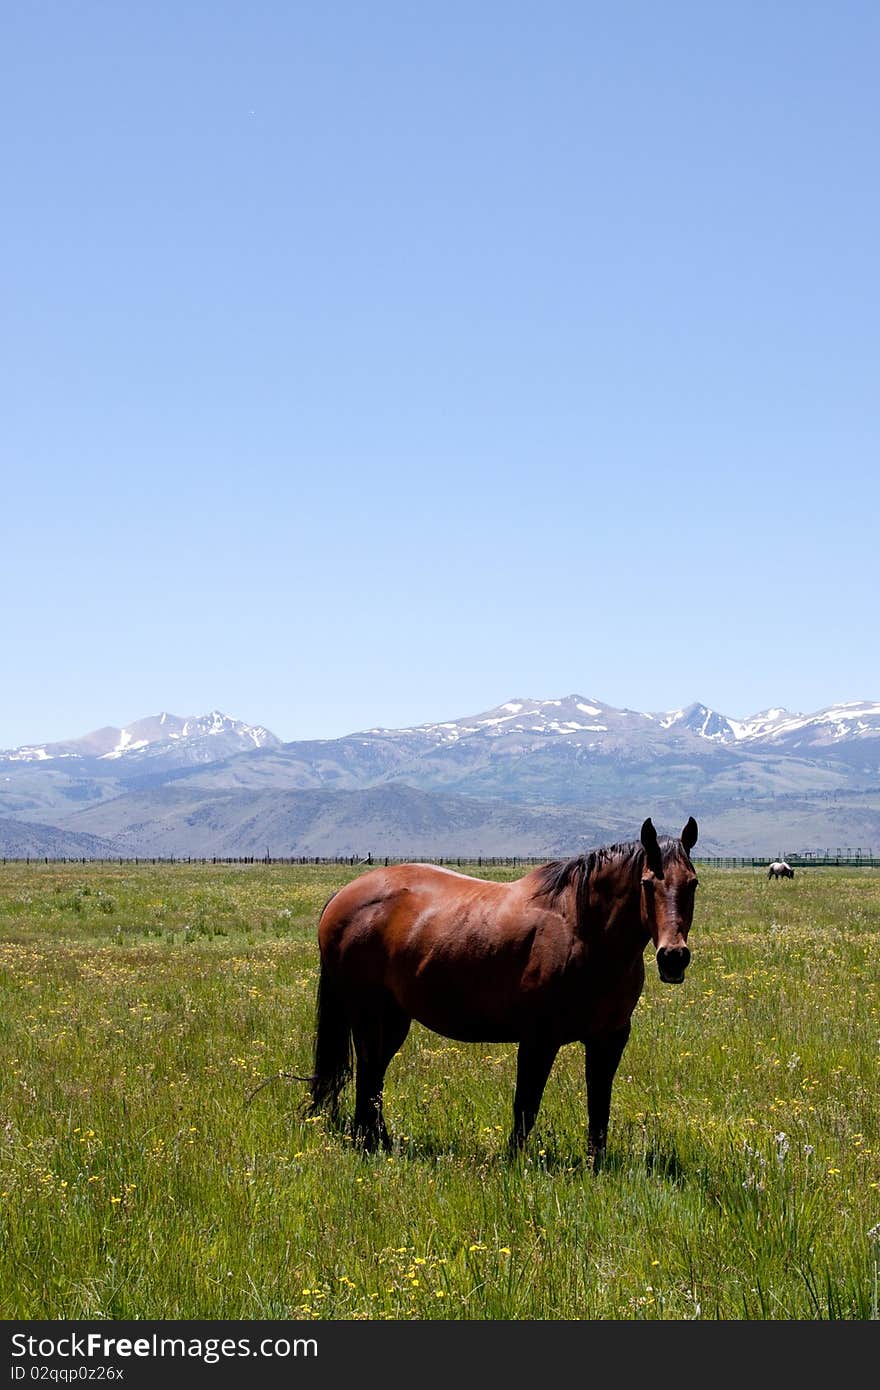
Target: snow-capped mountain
{"x": 700, "y": 720}
{"x": 817, "y": 776}
{"x": 193, "y": 738}
{"x": 858, "y": 719}
{"x": 585, "y": 719}
{"x": 580, "y": 719}
{"x": 855, "y": 720}
{"x": 570, "y": 715}
{"x": 578, "y": 722}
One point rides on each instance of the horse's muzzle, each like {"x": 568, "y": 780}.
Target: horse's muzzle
{"x": 672, "y": 962}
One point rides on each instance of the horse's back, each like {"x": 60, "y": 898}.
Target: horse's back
{"x": 387, "y": 902}
{"x": 383, "y": 884}
{"x": 460, "y": 954}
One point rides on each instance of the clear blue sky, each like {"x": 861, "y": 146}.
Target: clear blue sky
{"x": 375, "y": 363}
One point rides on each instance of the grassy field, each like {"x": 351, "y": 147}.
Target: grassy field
{"x": 139, "y": 1007}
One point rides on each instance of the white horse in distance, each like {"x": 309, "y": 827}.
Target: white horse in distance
{"x": 779, "y": 869}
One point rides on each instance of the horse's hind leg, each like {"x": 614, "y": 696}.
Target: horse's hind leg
{"x": 376, "y": 1039}
{"x": 534, "y": 1060}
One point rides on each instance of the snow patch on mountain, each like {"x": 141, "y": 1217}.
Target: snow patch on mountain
{"x": 759, "y": 725}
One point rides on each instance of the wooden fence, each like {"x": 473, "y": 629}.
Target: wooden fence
{"x": 847, "y": 858}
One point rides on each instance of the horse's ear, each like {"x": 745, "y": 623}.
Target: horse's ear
{"x": 689, "y": 834}
{"x": 648, "y": 838}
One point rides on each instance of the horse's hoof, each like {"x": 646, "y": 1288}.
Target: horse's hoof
{"x": 370, "y": 1141}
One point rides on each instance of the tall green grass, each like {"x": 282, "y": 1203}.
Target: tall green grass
{"x": 141, "y": 1006}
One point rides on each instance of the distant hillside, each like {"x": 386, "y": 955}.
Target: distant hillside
{"x": 26, "y": 840}
{"x": 393, "y": 820}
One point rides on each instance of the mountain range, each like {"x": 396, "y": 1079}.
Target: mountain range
{"x": 531, "y": 777}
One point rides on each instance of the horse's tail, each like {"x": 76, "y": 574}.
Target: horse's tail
{"x": 333, "y": 1047}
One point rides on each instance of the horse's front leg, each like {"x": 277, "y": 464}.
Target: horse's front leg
{"x": 534, "y": 1059}
{"x": 601, "y": 1059}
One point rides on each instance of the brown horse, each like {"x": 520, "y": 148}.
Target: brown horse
{"x": 552, "y": 958}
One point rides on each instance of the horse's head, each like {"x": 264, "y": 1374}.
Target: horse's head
{"x": 668, "y": 887}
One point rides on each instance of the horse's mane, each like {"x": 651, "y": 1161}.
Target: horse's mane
{"x": 554, "y": 877}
